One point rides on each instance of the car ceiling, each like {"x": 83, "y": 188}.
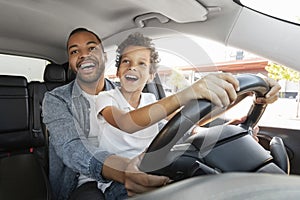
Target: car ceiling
{"x": 21, "y": 31}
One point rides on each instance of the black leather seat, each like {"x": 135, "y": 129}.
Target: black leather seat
{"x": 16, "y": 128}
{"x": 54, "y": 76}
{"x": 155, "y": 87}
{"x": 22, "y": 177}
{"x": 20, "y": 167}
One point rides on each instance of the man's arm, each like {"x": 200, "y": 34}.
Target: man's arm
{"x": 126, "y": 171}
{"x": 68, "y": 138}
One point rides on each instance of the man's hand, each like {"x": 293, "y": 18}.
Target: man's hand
{"x": 137, "y": 182}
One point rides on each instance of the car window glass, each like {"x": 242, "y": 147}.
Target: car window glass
{"x": 286, "y": 10}
{"x": 31, "y": 68}
{"x": 179, "y": 69}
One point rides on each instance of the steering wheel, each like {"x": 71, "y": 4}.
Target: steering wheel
{"x": 224, "y": 148}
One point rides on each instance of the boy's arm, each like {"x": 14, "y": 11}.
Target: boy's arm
{"x": 219, "y": 88}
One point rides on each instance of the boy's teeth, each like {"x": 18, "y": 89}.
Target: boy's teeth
{"x": 131, "y": 77}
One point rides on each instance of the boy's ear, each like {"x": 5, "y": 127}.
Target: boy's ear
{"x": 151, "y": 77}
{"x": 117, "y": 73}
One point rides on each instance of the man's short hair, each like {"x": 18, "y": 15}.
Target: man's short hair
{"x": 81, "y": 29}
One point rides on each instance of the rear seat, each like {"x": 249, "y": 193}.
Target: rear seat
{"x": 19, "y": 165}
{"x": 15, "y": 129}
{"x": 54, "y": 76}
{"x": 23, "y": 137}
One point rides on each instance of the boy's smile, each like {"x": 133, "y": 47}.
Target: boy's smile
{"x": 134, "y": 69}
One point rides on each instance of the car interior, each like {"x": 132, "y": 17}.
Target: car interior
{"x": 24, "y": 138}
{"x": 234, "y": 167}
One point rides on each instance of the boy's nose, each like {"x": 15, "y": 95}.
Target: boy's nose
{"x": 132, "y": 67}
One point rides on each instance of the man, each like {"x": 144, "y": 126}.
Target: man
{"x": 75, "y": 161}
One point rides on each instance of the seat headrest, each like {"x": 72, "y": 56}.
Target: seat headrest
{"x": 16, "y": 81}
{"x": 54, "y": 73}
{"x": 70, "y": 75}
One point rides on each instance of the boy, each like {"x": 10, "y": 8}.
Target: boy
{"x": 137, "y": 64}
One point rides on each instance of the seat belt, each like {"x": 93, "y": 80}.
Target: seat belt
{"x": 36, "y": 130}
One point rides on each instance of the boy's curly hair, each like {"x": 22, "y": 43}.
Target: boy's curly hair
{"x": 138, "y": 39}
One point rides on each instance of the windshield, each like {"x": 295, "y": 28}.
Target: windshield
{"x": 287, "y": 10}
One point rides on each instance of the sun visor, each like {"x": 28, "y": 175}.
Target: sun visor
{"x": 181, "y": 11}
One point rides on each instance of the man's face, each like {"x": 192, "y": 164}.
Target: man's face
{"x": 86, "y": 57}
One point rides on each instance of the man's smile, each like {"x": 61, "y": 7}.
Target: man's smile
{"x": 87, "y": 65}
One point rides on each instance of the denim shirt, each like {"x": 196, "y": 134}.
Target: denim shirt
{"x": 67, "y": 118}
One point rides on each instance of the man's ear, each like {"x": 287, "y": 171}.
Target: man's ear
{"x": 151, "y": 77}
{"x": 70, "y": 70}
{"x": 105, "y": 57}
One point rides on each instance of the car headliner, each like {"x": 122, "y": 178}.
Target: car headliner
{"x": 39, "y": 28}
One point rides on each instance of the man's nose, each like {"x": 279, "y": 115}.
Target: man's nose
{"x": 84, "y": 53}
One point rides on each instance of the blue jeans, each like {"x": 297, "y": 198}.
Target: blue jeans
{"x": 116, "y": 191}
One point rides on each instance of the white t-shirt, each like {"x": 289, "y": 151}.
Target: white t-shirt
{"x": 94, "y": 131}
{"x": 115, "y": 140}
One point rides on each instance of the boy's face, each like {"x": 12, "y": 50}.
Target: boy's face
{"x": 134, "y": 69}
{"x": 86, "y": 57}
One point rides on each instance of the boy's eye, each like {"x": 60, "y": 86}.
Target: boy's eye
{"x": 125, "y": 61}
{"x": 143, "y": 64}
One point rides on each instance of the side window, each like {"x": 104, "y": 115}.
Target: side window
{"x": 179, "y": 70}
{"x": 31, "y": 68}
{"x": 185, "y": 59}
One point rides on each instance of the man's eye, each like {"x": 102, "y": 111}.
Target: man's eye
{"x": 125, "y": 61}
{"x": 92, "y": 48}
{"x": 73, "y": 52}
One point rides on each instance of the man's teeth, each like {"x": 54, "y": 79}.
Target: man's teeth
{"x": 87, "y": 65}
